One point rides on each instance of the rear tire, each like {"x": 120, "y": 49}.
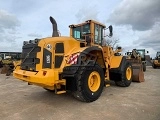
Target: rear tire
{"x": 144, "y": 67}
{"x": 126, "y": 75}
{"x": 90, "y": 83}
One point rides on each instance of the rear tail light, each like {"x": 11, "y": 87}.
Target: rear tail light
{"x": 44, "y": 73}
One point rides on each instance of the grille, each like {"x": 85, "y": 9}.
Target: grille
{"x": 29, "y": 60}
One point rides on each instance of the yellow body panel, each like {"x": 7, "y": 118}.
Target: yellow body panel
{"x": 52, "y": 75}
{"x": 48, "y": 79}
{"x": 115, "y": 61}
{"x": 71, "y": 44}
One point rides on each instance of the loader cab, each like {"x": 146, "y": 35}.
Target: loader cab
{"x": 128, "y": 53}
{"x": 142, "y": 53}
{"x": 89, "y": 32}
{"x": 158, "y": 55}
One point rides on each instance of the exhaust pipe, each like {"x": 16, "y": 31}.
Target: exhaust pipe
{"x": 54, "y": 26}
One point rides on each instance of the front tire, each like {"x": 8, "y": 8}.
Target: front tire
{"x": 154, "y": 66}
{"x": 126, "y": 75}
{"x": 90, "y": 83}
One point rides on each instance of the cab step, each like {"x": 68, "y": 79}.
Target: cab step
{"x": 61, "y": 92}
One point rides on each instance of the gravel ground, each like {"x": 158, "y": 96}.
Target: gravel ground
{"x": 140, "y": 101}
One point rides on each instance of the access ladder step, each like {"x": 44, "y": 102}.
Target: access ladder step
{"x": 61, "y": 92}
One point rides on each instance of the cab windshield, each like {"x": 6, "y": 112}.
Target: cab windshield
{"x": 141, "y": 52}
{"x": 80, "y": 32}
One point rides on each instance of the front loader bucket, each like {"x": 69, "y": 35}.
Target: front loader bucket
{"x": 138, "y": 75}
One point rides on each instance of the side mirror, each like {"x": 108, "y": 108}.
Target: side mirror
{"x": 110, "y": 30}
{"x": 119, "y": 48}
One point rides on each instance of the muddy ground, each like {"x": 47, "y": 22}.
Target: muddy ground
{"x": 140, "y": 101}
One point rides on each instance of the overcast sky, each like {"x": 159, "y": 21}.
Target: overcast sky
{"x": 136, "y": 22}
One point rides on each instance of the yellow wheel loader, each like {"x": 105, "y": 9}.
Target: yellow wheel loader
{"x": 8, "y": 61}
{"x": 138, "y": 64}
{"x": 142, "y": 54}
{"x": 7, "y": 66}
{"x": 80, "y": 63}
{"x": 156, "y": 61}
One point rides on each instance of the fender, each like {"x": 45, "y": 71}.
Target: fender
{"x": 117, "y": 64}
{"x": 69, "y": 71}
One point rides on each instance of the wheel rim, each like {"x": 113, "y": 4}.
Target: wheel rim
{"x": 128, "y": 73}
{"x": 94, "y": 81}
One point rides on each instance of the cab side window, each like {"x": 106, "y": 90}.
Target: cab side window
{"x": 98, "y": 34}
